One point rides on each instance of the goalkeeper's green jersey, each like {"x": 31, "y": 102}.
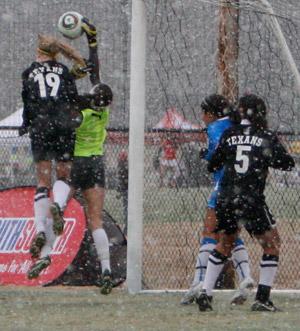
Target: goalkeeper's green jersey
{"x": 91, "y": 133}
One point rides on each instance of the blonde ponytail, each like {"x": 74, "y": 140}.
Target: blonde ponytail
{"x": 51, "y": 46}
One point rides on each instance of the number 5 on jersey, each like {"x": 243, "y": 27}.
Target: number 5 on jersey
{"x": 242, "y": 159}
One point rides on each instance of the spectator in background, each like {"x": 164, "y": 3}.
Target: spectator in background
{"x": 122, "y": 186}
{"x": 168, "y": 161}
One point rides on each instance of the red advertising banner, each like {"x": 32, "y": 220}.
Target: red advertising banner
{"x": 17, "y": 231}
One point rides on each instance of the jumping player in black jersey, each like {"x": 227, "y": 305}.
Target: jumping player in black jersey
{"x": 246, "y": 151}
{"x": 48, "y": 91}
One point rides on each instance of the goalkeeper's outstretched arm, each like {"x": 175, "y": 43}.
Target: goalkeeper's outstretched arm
{"x": 93, "y": 61}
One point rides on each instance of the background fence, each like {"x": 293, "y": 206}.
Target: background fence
{"x": 182, "y": 68}
{"x": 173, "y": 214}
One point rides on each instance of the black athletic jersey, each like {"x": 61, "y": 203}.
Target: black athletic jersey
{"x": 47, "y": 86}
{"x": 246, "y": 153}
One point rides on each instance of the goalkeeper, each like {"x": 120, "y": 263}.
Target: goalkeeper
{"x": 88, "y": 171}
{"x": 90, "y": 118}
{"x": 216, "y": 116}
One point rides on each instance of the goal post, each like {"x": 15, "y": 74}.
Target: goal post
{"x": 282, "y": 42}
{"x": 136, "y": 147}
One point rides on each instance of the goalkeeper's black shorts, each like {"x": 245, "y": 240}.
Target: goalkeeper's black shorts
{"x": 88, "y": 172}
{"x": 254, "y": 215}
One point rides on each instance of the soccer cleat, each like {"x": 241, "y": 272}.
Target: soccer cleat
{"x": 264, "y": 306}
{"x": 106, "y": 283}
{"x": 244, "y": 290}
{"x": 58, "y": 220}
{"x": 37, "y": 243}
{"x": 191, "y": 295}
{"x": 38, "y": 267}
{"x": 204, "y": 301}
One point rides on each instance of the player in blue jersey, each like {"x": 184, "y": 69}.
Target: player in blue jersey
{"x": 217, "y": 117}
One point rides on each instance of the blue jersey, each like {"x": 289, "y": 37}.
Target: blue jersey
{"x": 215, "y": 131}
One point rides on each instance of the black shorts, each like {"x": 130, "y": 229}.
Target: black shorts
{"x": 87, "y": 172}
{"x": 233, "y": 213}
{"x": 53, "y": 145}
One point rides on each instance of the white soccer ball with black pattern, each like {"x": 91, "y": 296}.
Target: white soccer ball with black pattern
{"x": 69, "y": 25}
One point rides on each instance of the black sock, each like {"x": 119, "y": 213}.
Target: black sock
{"x": 263, "y": 293}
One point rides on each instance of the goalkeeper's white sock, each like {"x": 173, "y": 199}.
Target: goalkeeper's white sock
{"x": 102, "y": 248}
{"x": 41, "y": 208}
{"x": 207, "y": 246}
{"x": 268, "y": 269}
{"x": 61, "y": 192}
{"x": 240, "y": 260}
{"x": 215, "y": 265}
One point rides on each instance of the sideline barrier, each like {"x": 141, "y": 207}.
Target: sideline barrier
{"x": 17, "y": 231}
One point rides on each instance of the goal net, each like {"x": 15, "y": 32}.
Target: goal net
{"x": 195, "y": 48}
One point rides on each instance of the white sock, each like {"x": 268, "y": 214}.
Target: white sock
{"x": 240, "y": 261}
{"x": 41, "y": 208}
{"x": 61, "y": 192}
{"x": 102, "y": 247}
{"x": 215, "y": 265}
{"x": 268, "y": 269}
{"x": 201, "y": 263}
{"x": 50, "y": 238}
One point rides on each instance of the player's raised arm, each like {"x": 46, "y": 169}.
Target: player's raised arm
{"x": 93, "y": 61}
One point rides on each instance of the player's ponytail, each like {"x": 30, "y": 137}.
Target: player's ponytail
{"x": 254, "y": 109}
{"x": 51, "y": 47}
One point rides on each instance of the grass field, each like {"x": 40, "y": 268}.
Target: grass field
{"x": 84, "y": 309}
{"x": 172, "y": 205}
{"x": 173, "y": 220}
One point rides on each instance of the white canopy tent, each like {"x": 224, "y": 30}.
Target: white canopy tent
{"x": 14, "y": 119}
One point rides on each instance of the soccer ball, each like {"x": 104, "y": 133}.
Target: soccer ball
{"x": 69, "y": 25}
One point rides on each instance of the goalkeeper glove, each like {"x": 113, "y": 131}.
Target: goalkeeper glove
{"x": 90, "y": 31}
{"x": 79, "y": 72}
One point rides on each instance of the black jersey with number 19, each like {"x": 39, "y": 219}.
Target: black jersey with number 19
{"x": 46, "y": 87}
{"x": 48, "y": 93}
